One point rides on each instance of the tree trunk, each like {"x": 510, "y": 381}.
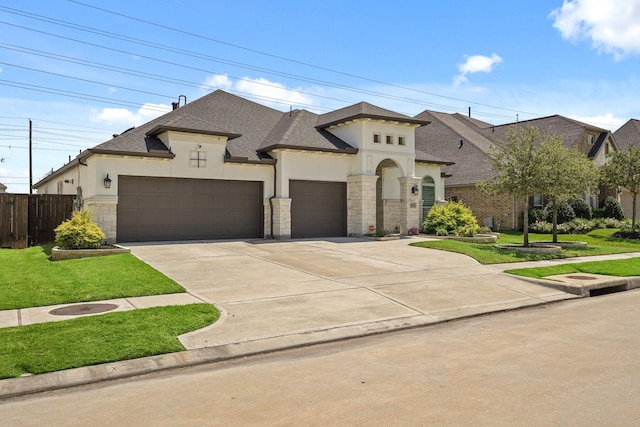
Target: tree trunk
{"x": 554, "y": 219}
{"x": 525, "y": 222}
{"x": 633, "y": 215}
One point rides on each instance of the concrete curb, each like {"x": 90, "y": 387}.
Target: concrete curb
{"x": 33, "y": 384}
{"x": 583, "y": 289}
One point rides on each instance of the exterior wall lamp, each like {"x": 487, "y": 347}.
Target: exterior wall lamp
{"x": 107, "y": 182}
{"x": 414, "y": 189}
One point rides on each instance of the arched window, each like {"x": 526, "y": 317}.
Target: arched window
{"x": 428, "y": 194}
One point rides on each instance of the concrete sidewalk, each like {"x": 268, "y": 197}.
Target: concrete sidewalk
{"x": 275, "y": 295}
{"x": 29, "y": 316}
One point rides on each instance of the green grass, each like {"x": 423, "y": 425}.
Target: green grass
{"x": 619, "y": 267}
{"x": 85, "y": 341}
{"x": 598, "y": 242}
{"x": 28, "y": 278}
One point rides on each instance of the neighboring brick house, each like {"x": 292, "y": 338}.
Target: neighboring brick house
{"x": 467, "y": 141}
{"x": 629, "y": 133}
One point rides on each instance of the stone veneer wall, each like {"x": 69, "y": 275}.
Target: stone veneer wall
{"x": 391, "y": 214}
{"x": 501, "y": 207}
{"x": 361, "y": 199}
{"x": 104, "y": 211}
{"x": 281, "y": 218}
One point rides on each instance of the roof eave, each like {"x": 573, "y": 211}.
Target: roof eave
{"x": 163, "y": 128}
{"x": 245, "y": 160}
{"x": 350, "y": 150}
{"x": 408, "y": 120}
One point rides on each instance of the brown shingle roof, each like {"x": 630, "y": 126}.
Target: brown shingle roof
{"x": 297, "y": 130}
{"x": 629, "y": 133}
{"x": 252, "y": 129}
{"x": 363, "y": 110}
{"x": 466, "y": 142}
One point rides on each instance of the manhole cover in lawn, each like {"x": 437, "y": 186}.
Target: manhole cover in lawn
{"x": 581, "y": 277}
{"x": 79, "y": 309}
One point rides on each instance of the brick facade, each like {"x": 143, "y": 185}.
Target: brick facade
{"x": 504, "y": 209}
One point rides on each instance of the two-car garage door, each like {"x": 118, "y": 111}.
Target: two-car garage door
{"x": 152, "y": 208}
{"x": 166, "y": 209}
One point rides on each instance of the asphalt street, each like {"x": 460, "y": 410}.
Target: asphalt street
{"x": 570, "y": 363}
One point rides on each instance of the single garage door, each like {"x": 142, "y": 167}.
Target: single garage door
{"x": 188, "y": 209}
{"x": 318, "y": 209}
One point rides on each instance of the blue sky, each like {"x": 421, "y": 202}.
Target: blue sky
{"x": 82, "y": 70}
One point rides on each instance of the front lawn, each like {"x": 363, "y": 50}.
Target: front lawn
{"x": 29, "y": 279}
{"x": 48, "y": 347}
{"x": 598, "y": 242}
{"x": 619, "y": 267}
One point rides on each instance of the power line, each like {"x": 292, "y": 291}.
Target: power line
{"x": 202, "y": 56}
{"x": 166, "y": 27}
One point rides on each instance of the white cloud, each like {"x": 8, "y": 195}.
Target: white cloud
{"x": 612, "y": 26}
{"x": 126, "y": 118}
{"x": 273, "y": 93}
{"x": 217, "y": 81}
{"x": 476, "y": 64}
{"x": 607, "y": 121}
{"x": 268, "y": 92}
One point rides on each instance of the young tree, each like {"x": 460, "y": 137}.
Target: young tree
{"x": 565, "y": 173}
{"x": 518, "y": 168}
{"x": 623, "y": 170}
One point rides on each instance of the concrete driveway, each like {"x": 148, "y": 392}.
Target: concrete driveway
{"x": 299, "y": 291}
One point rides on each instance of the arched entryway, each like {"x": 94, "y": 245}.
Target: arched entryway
{"x": 427, "y": 195}
{"x": 388, "y": 196}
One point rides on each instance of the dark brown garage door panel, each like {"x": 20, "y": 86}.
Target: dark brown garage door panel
{"x": 318, "y": 209}
{"x": 186, "y": 209}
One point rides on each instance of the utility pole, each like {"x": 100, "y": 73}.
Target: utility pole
{"x": 30, "y": 158}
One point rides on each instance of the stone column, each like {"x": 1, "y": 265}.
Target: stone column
{"x": 281, "y": 218}
{"x": 409, "y": 204}
{"x": 104, "y": 212}
{"x": 361, "y": 204}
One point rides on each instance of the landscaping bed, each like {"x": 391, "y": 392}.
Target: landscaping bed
{"x": 58, "y": 253}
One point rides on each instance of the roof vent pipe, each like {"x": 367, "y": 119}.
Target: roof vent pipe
{"x": 469, "y": 112}
{"x": 174, "y": 105}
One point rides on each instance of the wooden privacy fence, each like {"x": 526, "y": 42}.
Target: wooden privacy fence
{"x": 27, "y": 220}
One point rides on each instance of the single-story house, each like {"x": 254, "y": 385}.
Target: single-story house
{"x": 629, "y": 133}
{"x": 225, "y": 167}
{"x": 466, "y": 141}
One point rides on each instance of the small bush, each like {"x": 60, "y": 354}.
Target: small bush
{"x": 542, "y": 227}
{"x": 565, "y": 213}
{"x": 612, "y": 208}
{"x": 442, "y": 231}
{"x": 381, "y": 233}
{"x": 468, "y": 230}
{"x": 79, "y": 232}
{"x": 535, "y": 214}
{"x": 452, "y": 218}
{"x": 580, "y": 208}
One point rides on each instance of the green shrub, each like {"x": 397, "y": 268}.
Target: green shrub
{"x": 535, "y": 214}
{"x": 450, "y": 218}
{"x": 565, "y": 212}
{"x": 580, "y": 207}
{"x": 542, "y": 227}
{"x": 79, "y": 232}
{"x": 381, "y": 233}
{"x": 612, "y": 208}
